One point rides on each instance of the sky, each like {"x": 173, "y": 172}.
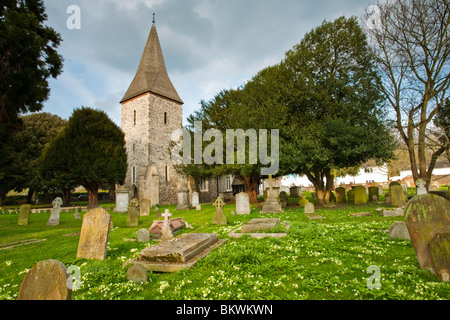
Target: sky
{"x": 208, "y": 45}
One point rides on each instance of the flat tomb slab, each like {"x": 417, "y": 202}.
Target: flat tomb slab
{"x": 179, "y": 253}
{"x": 255, "y": 225}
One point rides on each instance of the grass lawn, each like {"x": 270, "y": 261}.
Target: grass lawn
{"x": 323, "y": 259}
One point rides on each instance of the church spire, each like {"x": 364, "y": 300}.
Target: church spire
{"x": 152, "y": 75}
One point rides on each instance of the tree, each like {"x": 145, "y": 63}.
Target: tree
{"x": 335, "y": 105}
{"x": 90, "y": 151}
{"x": 28, "y": 57}
{"x": 412, "y": 49}
{"x": 26, "y": 148}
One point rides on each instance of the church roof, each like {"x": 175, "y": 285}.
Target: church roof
{"x": 151, "y": 75}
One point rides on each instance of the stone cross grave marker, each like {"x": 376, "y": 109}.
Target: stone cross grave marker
{"x": 420, "y": 187}
{"x": 94, "y": 234}
{"x": 166, "y": 232}
{"x": 219, "y": 217}
{"x": 46, "y": 280}
{"x": 54, "y": 217}
{"x": 271, "y": 205}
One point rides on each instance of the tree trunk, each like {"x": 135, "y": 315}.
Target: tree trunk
{"x": 93, "y": 195}
{"x": 323, "y": 190}
{"x": 66, "y": 197}
{"x": 250, "y": 186}
{"x": 30, "y": 195}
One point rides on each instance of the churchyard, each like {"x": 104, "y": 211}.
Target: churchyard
{"x": 338, "y": 256}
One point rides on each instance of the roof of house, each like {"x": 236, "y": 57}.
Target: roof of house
{"x": 151, "y": 75}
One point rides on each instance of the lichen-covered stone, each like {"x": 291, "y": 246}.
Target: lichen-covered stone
{"x": 24, "y": 215}
{"x": 340, "y": 195}
{"x": 94, "y": 234}
{"x": 360, "y": 195}
{"x": 440, "y": 255}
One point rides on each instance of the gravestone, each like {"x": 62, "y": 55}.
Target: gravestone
{"x": 380, "y": 190}
{"x": 143, "y": 235}
{"x": 195, "y": 199}
{"x": 421, "y": 187}
{"x": 242, "y": 203}
{"x": 303, "y": 201}
{"x": 394, "y": 183}
{"x": 427, "y": 216}
{"x": 24, "y": 215}
{"x": 76, "y": 214}
{"x": 179, "y": 253}
{"x": 399, "y": 230}
{"x": 397, "y": 195}
{"x": 54, "y": 217}
{"x": 137, "y": 273}
{"x": 315, "y": 217}
{"x": 393, "y": 212}
{"x": 198, "y": 207}
{"x": 46, "y": 280}
{"x": 271, "y": 205}
{"x": 219, "y": 217}
{"x": 360, "y": 195}
{"x": 351, "y": 195}
{"x": 256, "y": 225}
{"x": 373, "y": 194}
{"x": 340, "y": 195}
{"x": 166, "y": 232}
{"x": 294, "y": 192}
{"x": 144, "y": 206}
{"x": 183, "y": 197}
{"x": 94, "y": 234}
{"x": 440, "y": 255}
{"x": 283, "y": 199}
{"x": 309, "y": 208}
{"x": 175, "y": 225}
{"x": 122, "y": 199}
{"x": 133, "y": 213}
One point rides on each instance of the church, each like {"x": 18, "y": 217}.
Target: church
{"x": 151, "y": 111}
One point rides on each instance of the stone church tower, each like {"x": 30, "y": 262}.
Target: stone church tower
{"x": 151, "y": 111}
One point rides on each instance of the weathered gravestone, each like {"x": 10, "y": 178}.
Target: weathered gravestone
{"x": 351, "y": 196}
{"x": 242, "y": 203}
{"x": 24, "y": 215}
{"x": 219, "y": 216}
{"x": 46, "y": 280}
{"x": 133, "y": 213}
{"x": 271, "y": 205}
{"x": 144, "y": 206}
{"x": 309, "y": 208}
{"x": 399, "y": 230}
{"x": 283, "y": 199}
{"x": 394, "y": 183}
{"x": 94, "y": 234}
{"x": 122, "y": 198}
{"x": 178, "y": 253}
{"x": 256, "y": 225}
{"x": 426, "y": 217}
{"x": 373, "y": 194}
{"x": 360, "y": 195}
{"x": 143, "y": 235}
{"x": 137, "y": 273}
{"x": 340, "y": 195}
{"x": 76, "y": 214}
{"x": 393, "y": 212}
{"x": 303, "y": 201}
{"x": 195, "y": 199}
{"x": 440, "y": 255}
{"x": 166, "y": 232}
{"x": 294, "y": 192}
{"x": 54, "y": 217}
{"x": 183, "y": 197}
{"x": 397, "y": 195}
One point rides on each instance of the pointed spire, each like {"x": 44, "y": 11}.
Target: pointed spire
{"x": 152, "y": 75}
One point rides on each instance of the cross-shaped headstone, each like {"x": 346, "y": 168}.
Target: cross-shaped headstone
{"x": 166, "y": 216}
{"x": 166, "y": 232}
{"x": 219, "y": 204}
{"x": 57, "y": 202}
{"x": 270, "y": 182}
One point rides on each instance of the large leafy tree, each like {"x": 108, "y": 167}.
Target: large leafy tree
{"x": 90, "y": 151}
{"x": 28, "y": 58}
{"x": 21, "y": 171}
{"x": 335, "y": 105}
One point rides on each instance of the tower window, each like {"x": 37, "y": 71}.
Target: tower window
{"x": 165, "y": 117}
{"x": 133, "y": 174}
{"x": 167, "y": 174}
{"x": 134, "y": 147}
{"x": 134, "y": 117}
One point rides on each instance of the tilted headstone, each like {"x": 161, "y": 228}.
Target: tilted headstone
{"x": 195, "y": 199}
{"x": 24, "y": 215}
{"x": 360, "y": 195}
{"x": 440, "y": 255}
{"x": 133, "y": 213}
{"x": 427, "y": 216}
{"x": 94, "y": 234}
{"x": 309, "y": 208}
{"x": 373, "y": 192}
{"x": 219, "y": 217}
{"x": 340, "y": 195}
{"x": 54, "y": 217}
{"x": 46, "y": 280}
{"x": 397, "y": 195}
{"x": 242, "y": 203}
{"x": 144, "y": 207}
